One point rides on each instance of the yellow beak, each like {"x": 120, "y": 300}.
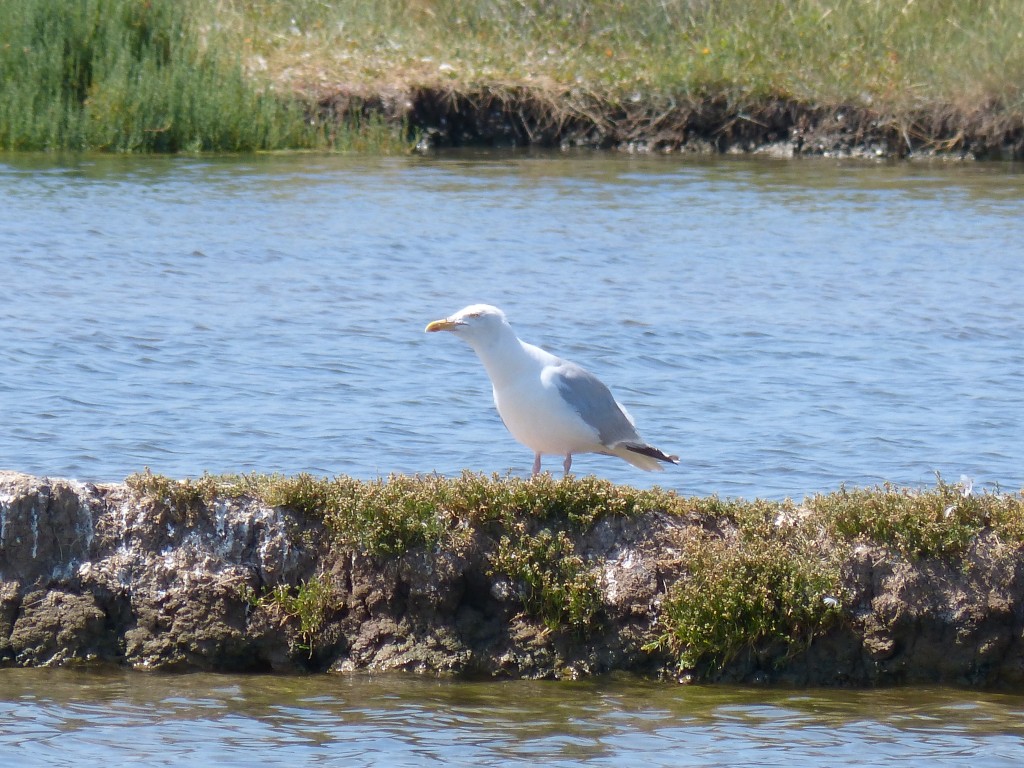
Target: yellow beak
{"x": 440, "y": 325}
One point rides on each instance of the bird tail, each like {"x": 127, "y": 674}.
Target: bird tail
{"x": 644, "y": 456}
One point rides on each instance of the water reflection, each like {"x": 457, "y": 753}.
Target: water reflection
{"x": 62, "y": 717}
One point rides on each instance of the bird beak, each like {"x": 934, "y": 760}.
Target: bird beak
{"x": 442, "y": 325}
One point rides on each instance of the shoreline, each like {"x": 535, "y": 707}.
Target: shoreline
{"x": 155, "y": 574}
{"x": 882, "y": 80}
{"x": 506, "y": 117}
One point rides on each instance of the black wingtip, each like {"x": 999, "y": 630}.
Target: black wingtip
{"x": 654, "y": 453}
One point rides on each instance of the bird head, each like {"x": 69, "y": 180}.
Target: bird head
{"x": 474, "y": 323}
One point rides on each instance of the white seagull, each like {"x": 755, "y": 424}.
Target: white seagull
{"x": 550, "y": 405}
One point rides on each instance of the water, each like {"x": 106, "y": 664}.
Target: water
{"x": 785, "y": 327}
{"x": 52, "y": 718}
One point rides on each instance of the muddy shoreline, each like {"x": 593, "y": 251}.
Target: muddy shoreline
{"x": 523, "y": 117}
{"x": 96, "y": 574}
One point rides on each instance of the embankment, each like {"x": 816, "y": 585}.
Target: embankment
{"x": 504, "y": 116}
{"x": 124, "y": 575}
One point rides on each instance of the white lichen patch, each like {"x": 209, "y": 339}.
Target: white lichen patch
{"x": 614, "y": 572}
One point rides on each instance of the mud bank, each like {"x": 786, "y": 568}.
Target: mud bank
{"x": 521, "y": 117}
{"x": 102, "y": 574}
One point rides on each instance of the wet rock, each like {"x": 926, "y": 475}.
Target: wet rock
{"x": 56, "y": 627}
{"x": 10, "y": 606}
{"x": 878, "y": 644}
{"x": 47, "y": 527}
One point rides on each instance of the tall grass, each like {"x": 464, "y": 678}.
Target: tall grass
{"x": 135, "y": 76}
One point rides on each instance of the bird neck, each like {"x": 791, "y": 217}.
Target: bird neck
{"x": 504, "y": 356}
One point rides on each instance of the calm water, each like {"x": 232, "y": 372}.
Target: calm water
{"x": 61, "y": 718}
{"x": 784, "y": 327}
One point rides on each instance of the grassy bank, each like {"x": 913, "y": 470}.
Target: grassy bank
{"x": 894, "y": 53}
{"x": 867, "y": 77}
{"x": 746, "y": 573}
{"x": 240, "y": 75}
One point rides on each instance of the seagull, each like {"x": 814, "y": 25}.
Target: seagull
{"x": 550, "y": 405}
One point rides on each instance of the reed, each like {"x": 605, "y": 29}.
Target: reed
{"x": 132, "y": 76}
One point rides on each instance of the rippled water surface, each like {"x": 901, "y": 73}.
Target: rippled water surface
{"x": 64, "y": 718}
{"x": 784, "y": 327}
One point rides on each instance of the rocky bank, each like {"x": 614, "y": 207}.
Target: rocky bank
{"x": 96, "y": 573}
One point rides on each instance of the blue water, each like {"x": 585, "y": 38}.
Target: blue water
{"x": 785, "y": 327}
{"x": 58, "y": 718}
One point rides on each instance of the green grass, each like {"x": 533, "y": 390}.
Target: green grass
{"x": 183, "y": 500}
{"x": 389, "y": 516}
{"x": 882, "y": 53}
{"x": 532, "y": 521}
{"x": 775, "y": 577}
{"x": 308, "y": 603}
{"x": 146, "y": 76}
{"x": 940, "y": 522}
{"x": 554, "y": 583}
{"x": 245, "y": 75}
{"x": 753, "y": 575}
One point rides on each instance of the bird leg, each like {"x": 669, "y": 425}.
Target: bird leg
{"x": 567, "y": 463}
{"x": 536, "y": 464}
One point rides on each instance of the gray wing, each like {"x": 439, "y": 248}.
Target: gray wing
{"x": 595, "y": 403}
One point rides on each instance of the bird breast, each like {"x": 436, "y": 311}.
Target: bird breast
{"x": 537, "y": 417}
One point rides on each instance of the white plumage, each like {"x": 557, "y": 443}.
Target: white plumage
{"x": 550, "y": 405}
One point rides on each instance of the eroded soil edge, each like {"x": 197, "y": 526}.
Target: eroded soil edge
{"x": 518, "y": 116}
{"x": 92, "y": 573}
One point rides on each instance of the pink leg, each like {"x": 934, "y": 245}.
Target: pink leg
{"x": 536, "y": 464}
{"x": 567, "y": 463}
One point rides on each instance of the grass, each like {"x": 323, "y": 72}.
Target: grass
{"x": 244, "y": 75}
{"x": 183, "y": 500}
{"x": 940, "y": 522}
{"x": 389, "y": 516}
{"x": 886, "y": 53}
{"x": 766, "y": 577}
{"x": 754, "y": 574}
{"x": 308, "y": 603}
{"x": 533, "y": 523}
{"x": 147, "y": 76}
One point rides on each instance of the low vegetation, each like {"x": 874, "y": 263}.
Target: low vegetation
{"x": 243, "y": 75}
{"x": 896, "y": 53}
{"x": 554, "y": 582}
{"x": 757, "y": 574}
{"x": 748, "y": 594}
{"x": 753, "y": 574}
{"x": 941, "y": 522}
{"x": 182, "y": 499}
{"x": 308, "y": 603}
